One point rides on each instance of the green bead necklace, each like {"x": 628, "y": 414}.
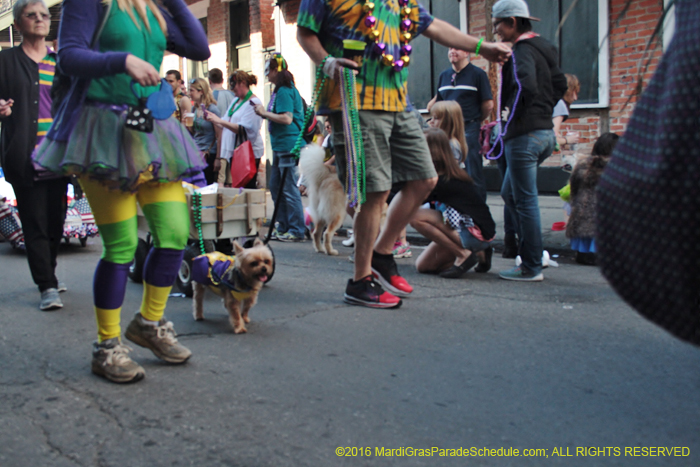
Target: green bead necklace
{"x": 197, "y": 213}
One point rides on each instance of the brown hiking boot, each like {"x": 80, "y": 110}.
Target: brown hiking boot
{"x": 110, "y": 360}
{"x": 159, "y": 339}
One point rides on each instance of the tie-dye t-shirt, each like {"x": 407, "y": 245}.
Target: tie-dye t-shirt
{"x": 379, "y": 87}
{"x": 47, "y": 68}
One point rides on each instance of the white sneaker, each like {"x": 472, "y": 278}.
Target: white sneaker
{"x": 350, "y": 242}
{"x": 546, "y": 261}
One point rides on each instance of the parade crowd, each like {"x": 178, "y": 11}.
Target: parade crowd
{"x": 129, "y": 136}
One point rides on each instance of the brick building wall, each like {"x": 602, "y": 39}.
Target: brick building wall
{"x": 218, "y": 34}
{"x": 217, "y": 22}
{"x": 286, "y": 36}
{"x": 627, "y": 42}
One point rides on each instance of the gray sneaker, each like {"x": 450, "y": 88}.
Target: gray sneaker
{"x": 62, "y": 287}
{"x": 110, "y": 360}
{"x": 159, "y": 339}
{"x": 517, "y": 274}
{"x": 289, "y": 237}
{"x": 50, "y": 300}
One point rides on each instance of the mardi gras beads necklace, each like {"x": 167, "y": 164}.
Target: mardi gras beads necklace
{"x": 354, "y": 146}
{"x": 406, "y": 26}
{"x": 197, "y": 213}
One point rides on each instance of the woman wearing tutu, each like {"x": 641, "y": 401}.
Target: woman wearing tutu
{"x": 104, "y": 46}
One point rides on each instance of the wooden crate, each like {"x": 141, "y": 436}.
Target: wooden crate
{"x": 230, "y": 213}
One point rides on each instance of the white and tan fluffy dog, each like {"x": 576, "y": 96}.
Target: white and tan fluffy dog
{"x": 326, "y": 197}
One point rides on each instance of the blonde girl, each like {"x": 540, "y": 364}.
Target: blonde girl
{"x": 447, "y": 115}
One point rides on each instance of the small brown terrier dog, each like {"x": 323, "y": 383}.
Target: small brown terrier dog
{"x": 237, "y": 280}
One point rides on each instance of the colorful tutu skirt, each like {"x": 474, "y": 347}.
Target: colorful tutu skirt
{"x": 102, "y": 148}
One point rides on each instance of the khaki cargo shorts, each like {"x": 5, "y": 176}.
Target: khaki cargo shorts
{"x": 395, "y": 149}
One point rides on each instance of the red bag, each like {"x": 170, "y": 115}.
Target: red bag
{"x": 243, "y": 161}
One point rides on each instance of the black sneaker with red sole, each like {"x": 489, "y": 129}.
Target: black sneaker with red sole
{"x": 385, "y": 271}
{"x": 366, "y": 292}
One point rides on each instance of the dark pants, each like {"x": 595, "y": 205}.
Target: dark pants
{"x": 475, "y": 161}
{"x": 42, "y": 210}
{"x": 209, "y": 174}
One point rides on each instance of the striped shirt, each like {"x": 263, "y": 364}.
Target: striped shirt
{"x": 379, "y": 87}
{"x": 47, "y": 68}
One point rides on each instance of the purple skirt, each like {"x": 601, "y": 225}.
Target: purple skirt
{"x": 121, "y": 158}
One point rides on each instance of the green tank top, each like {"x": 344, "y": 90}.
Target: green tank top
{"x": 120, "y": 34}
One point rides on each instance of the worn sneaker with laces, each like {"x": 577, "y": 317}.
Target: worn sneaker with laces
{"x": 366, "y": 292}
{"x": 402, "y": 250}
{"x": 110, "y": 359}
{"x": 385, "y": 271}
{"x": 517, "y": 274}
{"x": 275, "y": 234}
{"x": 50, "y": 300}
{"x": 159, "y": 339}
{"x": 289, "y": 237}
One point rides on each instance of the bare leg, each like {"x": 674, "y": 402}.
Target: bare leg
{"x": 434, "y": 259}
{"x": 402, "y": 237}
{"x": 366, "y": 229}
{"x": 401, "y": 211}
{"x": 429, "y": 223}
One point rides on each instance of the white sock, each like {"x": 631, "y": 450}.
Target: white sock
{"x": 150, "y": 323}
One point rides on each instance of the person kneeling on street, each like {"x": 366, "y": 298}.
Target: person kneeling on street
{"x": 461, "y": 228}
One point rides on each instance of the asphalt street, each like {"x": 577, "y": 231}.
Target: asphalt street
{"x": 562, "y": 366}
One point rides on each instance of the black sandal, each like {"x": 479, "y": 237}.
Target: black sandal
{"x": 486, "y": 265}
{"x": 455, "y": 272}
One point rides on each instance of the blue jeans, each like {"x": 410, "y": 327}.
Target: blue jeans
{"x": 471, "y": 243}
{"x": 475, "y": 162}
{"x": 290, "y": 212}
{"x": 508, "y": 220}
{"x": 519, "y": 191}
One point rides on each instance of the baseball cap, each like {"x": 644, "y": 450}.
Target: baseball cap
{"x": 510, "y": 8}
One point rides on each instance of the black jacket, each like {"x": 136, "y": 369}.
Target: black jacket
{"x": 543, "y": 84}
{"x": 462, "y": 196}
{"x": 19, "y": 80}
